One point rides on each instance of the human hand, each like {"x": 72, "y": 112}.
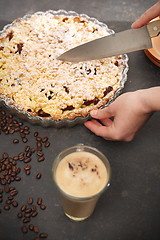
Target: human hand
{"x": 150, "y": 14}
{"x": 129, "y": 112}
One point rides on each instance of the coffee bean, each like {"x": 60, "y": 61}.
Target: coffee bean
{"x": 18, "y": 170}
{"x": 1, "y": 190}
{"x": 45, "y": 139}
{"x": 21, "y": 154}
{"x": 40, "y": 154}
{"x": 10, "y": 198}
{"x": 39, "y": 201}
{"x": 39, "y": 175}
{"x": 22, "y": 135}
{"x": 15, "y": 141}
{"x": 27, "y": 215}
{"x": 20, "y": 123}
{"x": 27, "y": 167}
{"x": 23, "y": 208}
{"x": 8, "y": 202}
{"x": 26, "y": 128}
{"x": 38, "y": 139}
{"x": 14, "y": 162}
{"x": 30, "y": 200}
{"x": 9, "y": 181}
{"x": 24, "y": 140}
{"x": 2, "y": 160}
{"x": 28, "y": 210}
{"x": 35, "y": 229}
{"x": 17, "y": 129}
{"x": 35, "y": 134}
{"x": 17, "y": 178}
{"x": 47, "y": 144}
{"x": 10, "y": 116}
{"x": 24, "y": 229}
{"x": 28, "y": 154}
{"x": 6, "y": 188}
{"x": 43, "y": 235}
{"x": 14, "y": 192}
{"x": 36, "y": 238}
{"x": 21, "y": 158}
{"x": 32, "y": 150}
{"x": 28, "y": 172}
{"x": 19, "y": 215}
{"x": 21, "y": 131}
{"x": 27, "y": 148}
{"x": 12, "y": 180}
{"x": 42, "y": 207}
{"x": 13, "y": 174}
{"x": 15, "y": 158}
{"x": 34, "y": 214}
{"x": 41, "y": 159}
{"x": 1, "y": 200}
{"x": 3, "y": 182}
{"x": 33, "y": 207}
{"x": 26, "y": 220}
{"x": 5, "y": 155}
{"x": 31, "y": 227}
{"x": 15, "y": 203}
{"x": 6, "y": 207}
{"x": 39, "y": 146}
{"x": 11, "y": 131}
{"x": 26, "y": 132}
{"x": 27, "y": 160}
{"x": 12, "y": 188}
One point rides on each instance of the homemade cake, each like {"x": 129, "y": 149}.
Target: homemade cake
{"x": 34, "y": 81}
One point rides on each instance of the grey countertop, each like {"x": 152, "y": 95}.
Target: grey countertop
{"x": 130, "y": 207}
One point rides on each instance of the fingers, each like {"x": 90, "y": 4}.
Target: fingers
{"x": 104, "y": 130}
{"x": 96, "y": 128}
{"x": 150, "y": 14}
{"x": 107, "y": 122}
{"x": 102, "y": 113}
{"x": 107, "y": 132}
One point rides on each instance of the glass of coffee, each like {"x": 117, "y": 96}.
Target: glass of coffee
{"x": 81, "y": 174}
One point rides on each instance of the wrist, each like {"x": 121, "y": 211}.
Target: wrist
{"x": 150, "y": 99}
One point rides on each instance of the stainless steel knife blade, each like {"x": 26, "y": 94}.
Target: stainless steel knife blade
{"x": 119, "y": 43}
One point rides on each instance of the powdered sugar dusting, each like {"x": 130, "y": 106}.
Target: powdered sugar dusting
{"x": 36, "y": 81}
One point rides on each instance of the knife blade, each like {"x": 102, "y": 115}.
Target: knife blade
{"x": 119, "y": 43}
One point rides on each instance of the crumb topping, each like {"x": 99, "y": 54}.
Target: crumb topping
{"x": 36, "y": 82}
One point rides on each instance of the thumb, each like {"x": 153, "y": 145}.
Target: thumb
{"x": 102, "y": 113}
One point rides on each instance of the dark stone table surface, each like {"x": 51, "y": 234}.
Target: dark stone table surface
{"x": 130, "y": 208}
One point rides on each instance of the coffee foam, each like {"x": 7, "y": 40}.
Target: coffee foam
{"x": 81, "y": 174}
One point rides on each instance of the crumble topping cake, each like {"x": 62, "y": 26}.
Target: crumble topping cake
{"x": 36, "y": 82}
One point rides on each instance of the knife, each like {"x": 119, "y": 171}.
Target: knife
{"x": 119, "y": 43}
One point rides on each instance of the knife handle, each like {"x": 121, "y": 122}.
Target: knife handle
{"x": 154, "y": 28}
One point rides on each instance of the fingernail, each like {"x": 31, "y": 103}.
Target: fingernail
{"x": 94, "y": 113}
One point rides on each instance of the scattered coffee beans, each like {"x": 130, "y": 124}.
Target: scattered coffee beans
{"x": 24, "y": 229}
{"x": 6, "y": 207}
{"x": 31, "y": 227}
{"x": 42, "y": 207}
{"x": 39, "y": 175}
{"x": 43, "y": 235}
{"x": 39, "y": 201}
{"x": 15, "y": 141}
{"x": 30, "y": 200}
{"x": 35, "y": 229}
{"x": 14, "y": 203}
{"x": 9, "y": 170}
